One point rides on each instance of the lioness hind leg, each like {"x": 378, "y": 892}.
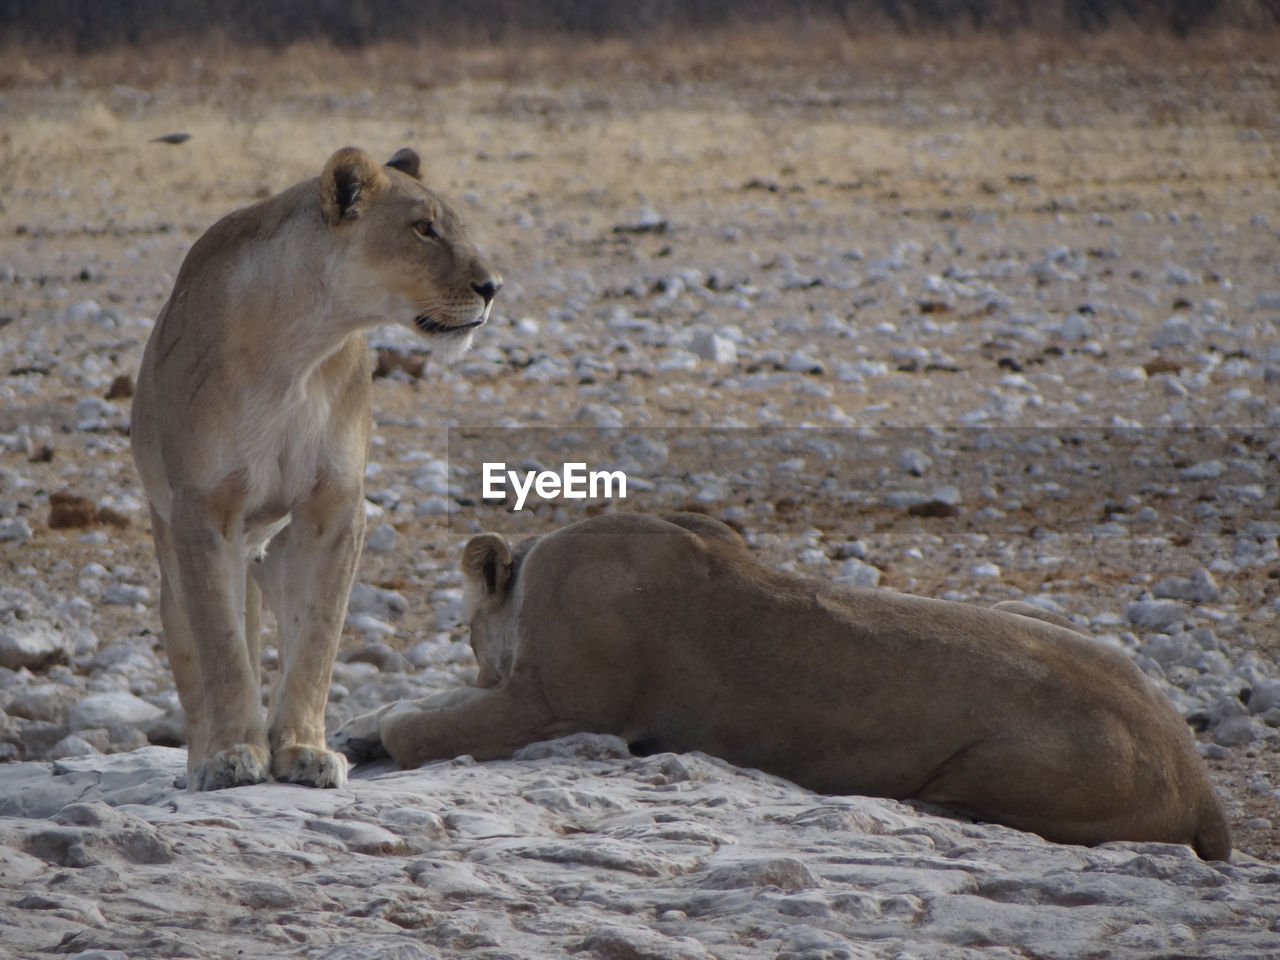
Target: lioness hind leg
{"x": 1024, "y": 609}
{"x": 226, "y": 736}
{"x": 488, "y": 723}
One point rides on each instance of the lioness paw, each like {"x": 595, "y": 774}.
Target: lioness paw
{"x": 236, "y": 766}
{"x": 359, "y": 739}
{"x": 310, "y": 766}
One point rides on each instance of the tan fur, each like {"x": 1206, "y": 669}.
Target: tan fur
{"x": 250, "y": 433}
{"x": 670, "y": 634}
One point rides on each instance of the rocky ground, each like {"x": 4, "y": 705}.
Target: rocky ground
{"x": 904, "y": 317}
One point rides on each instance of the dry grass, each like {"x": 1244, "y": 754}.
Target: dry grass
{"x": 1231, "y": 72}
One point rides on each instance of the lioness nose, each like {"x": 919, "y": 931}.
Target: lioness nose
{"x": 488, "y": 290}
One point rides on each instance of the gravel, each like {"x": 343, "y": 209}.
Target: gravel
{"x": 940, "y": 377}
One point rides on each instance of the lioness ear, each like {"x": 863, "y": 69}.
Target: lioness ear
{"x": 486, "y": 559}
{"x": 407, "y": 161}
{"x": 351, "y": 178}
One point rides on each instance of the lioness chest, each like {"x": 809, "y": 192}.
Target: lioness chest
{"x": 286, "y": 448}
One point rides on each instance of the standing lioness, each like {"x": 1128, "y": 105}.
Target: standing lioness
{"x": 670, "y": 634}
{"x": 250, "y": 432}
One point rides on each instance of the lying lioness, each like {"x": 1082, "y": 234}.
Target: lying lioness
{"x": 251, "y": 430}
{"x": 667, "y": 632}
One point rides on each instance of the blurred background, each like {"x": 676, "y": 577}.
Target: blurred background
{"x": 88, "y": 25}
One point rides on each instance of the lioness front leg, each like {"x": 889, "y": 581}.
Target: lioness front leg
{"x": 306, "y": 579}
{"x": 488, "y": 723}
{"x": 202, "y": 610}
{"x": 360, "y": 738}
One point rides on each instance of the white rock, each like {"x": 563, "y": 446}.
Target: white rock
{"x": 713, "y": 347}
{"x": 1128, "y": 375}
{"x": 34, "y": 644}
{"x": 601, "y": 415}
{"x": 1200, "y": 587}
{"x": 43, "y": 701}
{"x": 14, "y": 529}
{"x": 950, "y": 495}
{"x": 648, "y": 451}
{"x": 1076, "y": 326}
{"x": 446, "y": 608}
{"x": 1156, "y": 614}
{"x": 1237, "y": 731}
{"x": 1177, "y": 331}
{"x": 116, "y": 709}
{"x": 856, "y": 573}
{"x": 82, "y": 311}
{"x": 71, "y": 746}
{"x": 800, "y": 362}
{"x": 1166, "y": 649}
{"x": 432, "y": 507}
{"x": 369, "y": 625}
{"x": 678, "y": 361}
{"x": 857, "y": 370}
{"x": 914, "y": 462}
{"x": 381, "y": 539}
{"x": 384, "y": 604}
{"x": 1205, "y": 470}
{"x": 126, "y": 594}
{"x": 616, "y": 941}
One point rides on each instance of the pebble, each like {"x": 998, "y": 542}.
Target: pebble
{"x": 381, "y": 539}
{"x": 1200, "y": 587}
{"x": 33, "y": 644}
{"x": 126, "y": 594}
{"x": 432, "y": 507}
{"x": 948, "y": 495}
{"x": 1076, "y": 326}
{"x": 381, "y": 656}
{"x": 914, "y": 462}
{"x": 1238, "y": 731}
{"x": 1206, "y": 470}
{"x": 14, "y": 529}
{"x": 800, "y": 362}
{"x": 903, "y": 499}
{"x": 376, "y": 602}
{"x": 675, "y": 361}
{"x": 116, "y": 709}
{"x": 71, "y": 746}
{"x": 855, "y": 573}
{"x": 369, "y": 625}
{"x": 1156, "y": 614}
{"x": 1177, "y": 331}
{"x": 714, "y": 348}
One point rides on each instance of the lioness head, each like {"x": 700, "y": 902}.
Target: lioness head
{"x": 413, "y": 262}
{"x": 488, "y": 568}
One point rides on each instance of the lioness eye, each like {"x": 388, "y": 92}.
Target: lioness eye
{"x": 426, "y": 229}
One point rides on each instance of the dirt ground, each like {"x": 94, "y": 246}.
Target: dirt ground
{"x": 592, "y": 177}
